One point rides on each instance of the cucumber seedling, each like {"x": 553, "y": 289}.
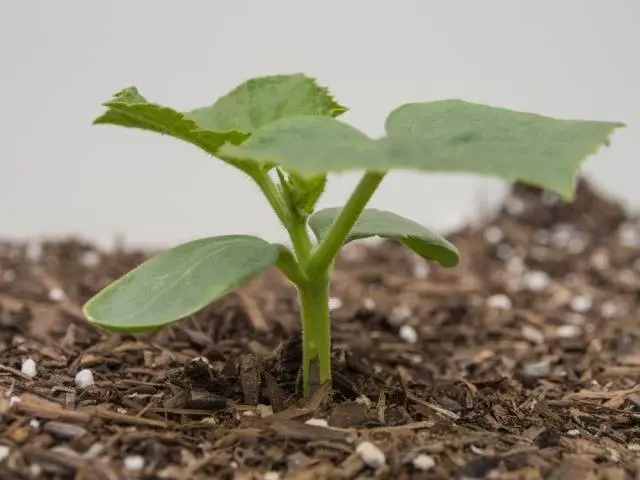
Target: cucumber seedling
{"x": 282, "y": 132}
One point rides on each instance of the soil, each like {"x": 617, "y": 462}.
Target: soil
{"x": 521, "y": 363}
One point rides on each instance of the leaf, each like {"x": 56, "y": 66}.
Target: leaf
{"x": 309, "y": 146}
{"x": 443, "y": 136}
{"x": 260, "y": 101}
{"x": 232, "y": 118}
{"x": 129, "y": 109}
{"x": 458, "y": 136}
{"x": 379, "y": 223}
{"x": 179, "y": 282}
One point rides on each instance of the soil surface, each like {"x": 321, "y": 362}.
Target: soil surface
{"x": 521, "y": 363}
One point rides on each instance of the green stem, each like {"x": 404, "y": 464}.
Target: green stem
{"x": 333, "y": 241}
{"x": 295, "y": 226}
{"x": 289, "y": 266}
{"x": 316, "y": 333}
{"x": 300, "y": 239}
{"x": 272, "y": 194}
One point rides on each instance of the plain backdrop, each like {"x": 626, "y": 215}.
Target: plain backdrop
{"x": 60, "y": 60}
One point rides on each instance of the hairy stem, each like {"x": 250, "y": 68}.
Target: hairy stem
{"x": 316, "y": 333}
{"x": 272, "y": 194}
{"x": 333, "y": 241}
{"x": 300, "y": 239}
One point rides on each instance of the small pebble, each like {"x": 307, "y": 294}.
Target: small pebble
{"x": 634, "y": 447}
{"x": 4, "y": 452}
{"x": 63, "y": 430}
{"x": 532, "y": 334}
{"x": 568, "y": 331}
{"x": 515, "y": 266}
{"x": 36, "y": 470}
{"x": 364, "y": 400}
{"x": 573, "y": 433}
{"x": 608, "y": 309}
{"x": 29, "y": 368}
{"x": 272, "y": 476}
{"x": 9, "y": 276}
{"x": 90, "y": 259}
{"x": 57, "y": 295}
{"x": 368, "y": 303}
{"x": 34, "y": 251}
{"x": 264, "y": 411}
{"x": 34, "y": 423}
{"x": 538, "y": 369}
{"x": 514, "y": 206}
{"x": 628, "y": 235}
{"x": 14, "y": 401}
{"x": 504, "y": 252}
{"x": 576, "y": 246}
{"x": 499, "y": 301}
{"x": 408, "y": 334}
{"x": 424, "y": 462}
{"x": 371, "y": 455}
{"x": 134, "y": 462}
{"x": 536, "y": 281}
{"x": 600, "y": 260}
{"x": 317, "y": 422}
{"x": 493, "y": 235}
{"x": 335, "y": 303}
{"x": 562, "y": 235}
{"x": 84, "y": 378}
{"x": 420, "y": 270}
{"x": 581, "y": 303}
{"x": 399, "y": 314}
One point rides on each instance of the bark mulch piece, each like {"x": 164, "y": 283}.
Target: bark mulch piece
{"x": 521, "y": 363}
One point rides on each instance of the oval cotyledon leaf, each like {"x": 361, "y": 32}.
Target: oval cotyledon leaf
{"x": 179, "y": 281}
{"x": 380, "y": 223}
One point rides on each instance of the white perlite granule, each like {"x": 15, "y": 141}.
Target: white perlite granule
{"x": 424, "y": 462}
{"x": 408, "y": 334}
{"x": 84, "y": 378}
{"x": 493, "y": 235}
{"x": 536, "y": 281}
{"x": 581, "y": 303}
{"x": 134, "y": 462}
{"x": 499, "y": 301}
{"x": 29, "y": 368}
{"x": 317, "y": 422}
{"x": 335, "y": 303}
{"x": 371, "y": 455}
{"x": 57, "y": 295}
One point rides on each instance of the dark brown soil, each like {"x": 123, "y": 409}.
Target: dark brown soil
{"x": 546, "y": 387}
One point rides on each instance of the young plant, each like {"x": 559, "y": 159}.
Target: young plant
{"x": 282, "y": 132}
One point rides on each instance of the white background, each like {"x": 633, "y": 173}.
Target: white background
{"x": 60, "y": 60}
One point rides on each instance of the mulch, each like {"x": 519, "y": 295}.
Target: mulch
{"x": 521, "y": 363}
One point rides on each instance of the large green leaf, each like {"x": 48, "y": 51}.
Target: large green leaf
{"x": 458, "y": 136}
{"x": 379, "y": 223}
{"x": 232, "y": 118}
{"x": 179, "y": 282}
{"x": 443, "y": 136}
